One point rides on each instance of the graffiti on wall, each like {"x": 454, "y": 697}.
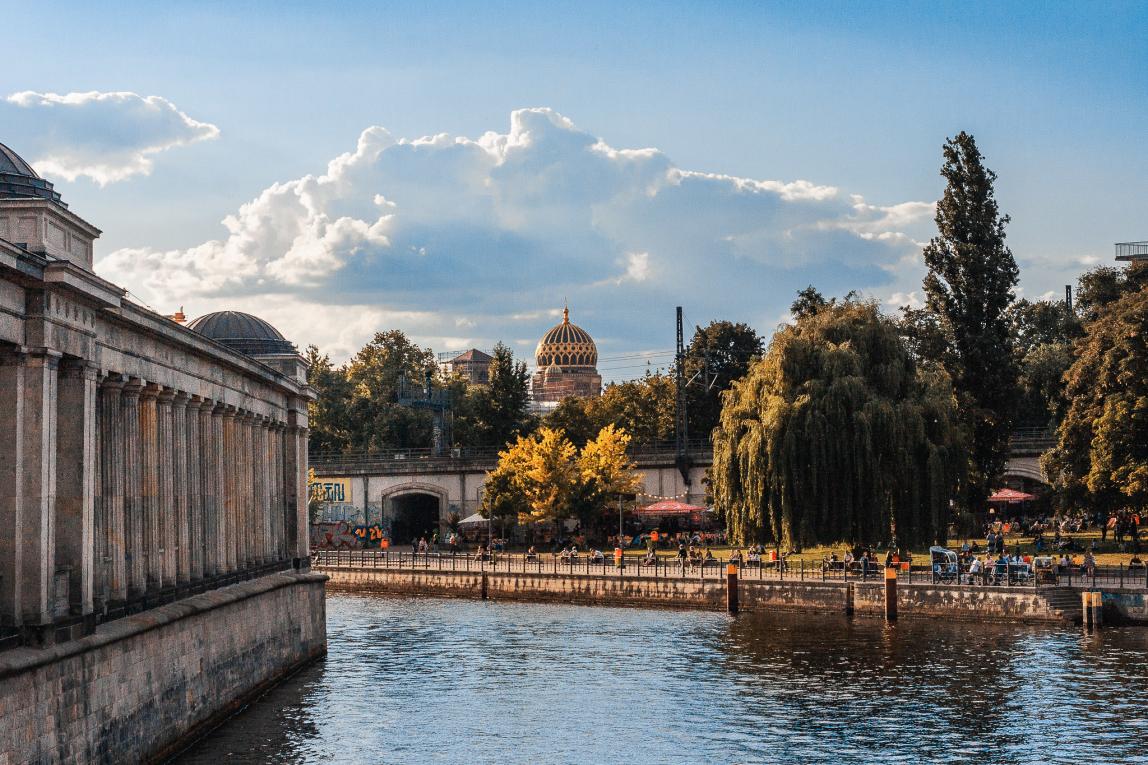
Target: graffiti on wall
{"x": 342, "y": 535}
{"x": 331, "y": 489}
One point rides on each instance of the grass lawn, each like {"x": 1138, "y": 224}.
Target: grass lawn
{"x": 1107, "y": 553}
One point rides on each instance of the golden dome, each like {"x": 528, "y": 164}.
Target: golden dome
{"x": 566, "y": 345}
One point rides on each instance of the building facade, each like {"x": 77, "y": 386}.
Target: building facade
{"x": 472, "y": 366}
{"x": 142, "y": 463}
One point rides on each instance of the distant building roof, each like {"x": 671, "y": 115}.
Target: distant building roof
{"x": 242, "y": 332}
{"x": 472, "y": 355}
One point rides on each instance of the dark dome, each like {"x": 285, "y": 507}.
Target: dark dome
{"x": 242, "y": 332}
{"x": 566, "y": 345}
{"x": 19, "y": 181}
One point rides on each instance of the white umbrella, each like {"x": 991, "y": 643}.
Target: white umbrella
{"x": 472, "y": 519}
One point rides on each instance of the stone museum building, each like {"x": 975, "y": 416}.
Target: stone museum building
{"x": 154, "y": 562}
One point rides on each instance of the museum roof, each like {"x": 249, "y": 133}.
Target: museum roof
{"x": 19, "y": 181}
{"x": 242, "y": 332}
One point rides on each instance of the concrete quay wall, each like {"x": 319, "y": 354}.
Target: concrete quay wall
{"x": 865, "y": 598}
{"x": 144, "y": 686}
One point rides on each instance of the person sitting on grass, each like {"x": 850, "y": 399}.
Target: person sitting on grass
{"x": 1135, "y": 562}
{"x": 735, "y": 556}
{"x": 596, "y": 556}
{"x": 753, "y": 557}
{"x": 650, "y": 559}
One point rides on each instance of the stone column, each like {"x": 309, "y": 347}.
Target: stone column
{"x": 110, "y": 544}
{"x": 245, "y": 552}
{"x": 38, "y": 523}
{"x": 274, "y": 508}
{"x": 76, "y": 467}
{"x": 295, "y": 484}
{"x": 149, "y": 486}
{"x": 228, "y": 526}
{"x": 262, "y": 506}
{"x": 12, "y": 369}
{"x": 166, "y": 521}
{"x": 196, "y": 516}
{"x": 211, "y": 433}
{"x": 179, "y": 489}
{"x": 133, "y": 488}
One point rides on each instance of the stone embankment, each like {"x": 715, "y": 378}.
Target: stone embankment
{"x": 861, "y": 598}
{"x": 143, "y": 686}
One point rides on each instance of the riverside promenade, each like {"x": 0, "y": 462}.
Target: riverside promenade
{"x": 547, "y": 578}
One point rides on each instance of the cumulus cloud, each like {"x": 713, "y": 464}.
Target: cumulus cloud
{"x": 106, "y": 137}
{"x": 493, "y": 233}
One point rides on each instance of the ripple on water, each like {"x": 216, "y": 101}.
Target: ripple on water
{"x": 426, "y": 680}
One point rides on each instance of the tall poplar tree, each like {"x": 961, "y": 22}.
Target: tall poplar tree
{"x": 969, "y": 288}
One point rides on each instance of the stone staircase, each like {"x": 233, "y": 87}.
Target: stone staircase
{"x": 1065, "y": 601}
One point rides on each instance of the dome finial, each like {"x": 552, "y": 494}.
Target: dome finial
{"x": 565, "y": 311}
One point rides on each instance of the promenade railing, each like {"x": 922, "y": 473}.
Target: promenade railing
{"x": 1004, "y": 576}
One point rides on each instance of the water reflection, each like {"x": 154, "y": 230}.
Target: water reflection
{"x": 423, "y": 680}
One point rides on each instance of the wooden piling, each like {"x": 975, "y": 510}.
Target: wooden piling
{"x": 731, "y": 588}
{"x": 890, "y": 594}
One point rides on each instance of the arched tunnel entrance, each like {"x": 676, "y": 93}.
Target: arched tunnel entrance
{"x": 414, "y": 515}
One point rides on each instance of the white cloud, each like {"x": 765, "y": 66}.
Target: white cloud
{"x": 495, "y": 233}
{"x": 106, "y": 137}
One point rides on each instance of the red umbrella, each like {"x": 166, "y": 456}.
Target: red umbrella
{"x": 1011, "y": 496}
{"x": 669, "y": 507}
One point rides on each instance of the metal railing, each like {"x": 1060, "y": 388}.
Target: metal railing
{"x": 1003, "y": 575}
{"x": 1131, "y": 250}
{"x": 67, "y": 627}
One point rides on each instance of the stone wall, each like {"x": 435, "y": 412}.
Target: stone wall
{"x": 143, "y": 686}
{"x": 914, "y": 600}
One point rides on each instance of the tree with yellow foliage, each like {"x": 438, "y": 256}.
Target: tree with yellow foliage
{"x": 543, "y": 477}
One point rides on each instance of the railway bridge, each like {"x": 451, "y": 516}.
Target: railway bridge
{"x": 403, "y": 490}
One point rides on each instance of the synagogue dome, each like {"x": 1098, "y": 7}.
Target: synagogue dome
{"x": 566, "y": 345}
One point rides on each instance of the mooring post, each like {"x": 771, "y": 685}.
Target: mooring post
{"x": 849, "y": 598}
{"x": 483, "y": 586}
{"x": 890, "y": 594}
{"x": 731, "y": 588}
{"x": 1093, "y": 610}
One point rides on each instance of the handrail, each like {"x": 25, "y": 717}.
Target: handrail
{"x": 1009, "y": 576}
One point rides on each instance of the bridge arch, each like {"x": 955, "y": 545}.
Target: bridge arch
{"x": 1027, "y": 468}
{"x": 413, "y": 510}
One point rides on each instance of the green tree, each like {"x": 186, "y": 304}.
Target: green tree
{"x": 1104, "y": 285}
{"x": 379, "y": 421}
{"x": 500, "y": 408}
{"x": 644, "y": 408}
{"x": 836, "y": 435}
{"x": 969, "y": 288}
{"x": 1101, "y": 457}
{"x": 718, "y": 355}
{"x": 1043, "y": 333}
{"x": 573, "y": 417}
{"x": 329, "y": 426}
{"x": 809, "y": 301}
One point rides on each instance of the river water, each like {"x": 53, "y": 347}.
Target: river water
{"x": 460, "y": 681}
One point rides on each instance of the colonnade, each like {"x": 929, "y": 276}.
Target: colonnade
{"x": 189, "y": 489}
{"x": 118, "y": 492}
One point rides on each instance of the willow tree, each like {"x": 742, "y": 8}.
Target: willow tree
{"x": 836, "y": 436}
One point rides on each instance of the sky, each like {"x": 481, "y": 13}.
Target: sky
{"x": 459, "y": 171}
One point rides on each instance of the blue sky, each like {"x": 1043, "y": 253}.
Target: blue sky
{"x": 474, "y": 242}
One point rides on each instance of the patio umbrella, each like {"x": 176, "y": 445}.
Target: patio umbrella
{"x": 1011, "y": 496}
